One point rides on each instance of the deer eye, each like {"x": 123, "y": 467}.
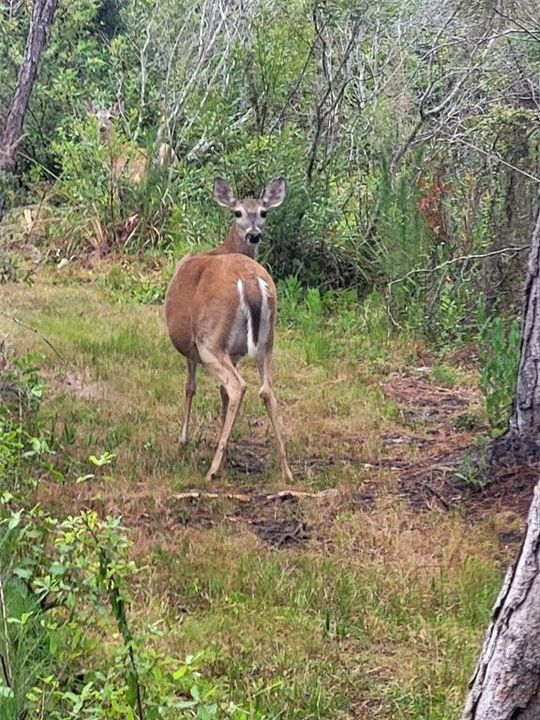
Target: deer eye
{"x": 263, "y": 213}
{"x": 238, "y": 213}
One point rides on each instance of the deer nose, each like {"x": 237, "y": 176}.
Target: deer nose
{"x": 253, "y": 237}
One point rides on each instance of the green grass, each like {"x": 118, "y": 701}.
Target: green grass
{"x": 380, "y": 614}
{"x": 442, "y": 374}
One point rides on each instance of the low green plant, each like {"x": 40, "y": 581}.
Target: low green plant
{"x": 72, "y": 577}
{"x": 23, "y": 443}
{"x": 443, "y": 375}
{"x": 468, "y": 421}
{"x": 9, "y": 271}
{"x": 67, "y": 645}
{"x": 474, "y": 468}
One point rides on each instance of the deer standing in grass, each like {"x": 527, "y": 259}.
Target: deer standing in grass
{"x": 220, "y": 306}
{"x": 131, "y": 164}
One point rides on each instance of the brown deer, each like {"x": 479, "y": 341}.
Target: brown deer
{"x": 220, "y": 306}
{"x": 128, "y": 164}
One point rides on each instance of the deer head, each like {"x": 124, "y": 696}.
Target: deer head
{"x": 104, "y": 116}
{"x": 250, "y": 214}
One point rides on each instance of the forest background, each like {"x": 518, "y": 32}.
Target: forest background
{"x": 408, "y": 134}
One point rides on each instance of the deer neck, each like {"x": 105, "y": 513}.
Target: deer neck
{"x": 234, "y": 243}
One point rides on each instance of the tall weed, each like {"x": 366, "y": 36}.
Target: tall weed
{"x": 499, "y": 359}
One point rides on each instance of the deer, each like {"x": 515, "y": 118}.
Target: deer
{"x": 133, "y": 166}
{"x": 220, "y": 306}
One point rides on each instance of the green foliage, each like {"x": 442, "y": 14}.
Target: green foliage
{"x": 8, "y": 268}
{"x": 474, "y": 467}
{"x": 97, "y": 206}
{"x": 373, "y": 195}
{"x": 499, "y": 359}
{"x": 61, "y": 577}
{"x": 442, "y": 374}
{"x": 23, "y": 443}
{"x": 333, "y": 323}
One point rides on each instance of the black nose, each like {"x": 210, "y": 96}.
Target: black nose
{"x": 253, "y": 238}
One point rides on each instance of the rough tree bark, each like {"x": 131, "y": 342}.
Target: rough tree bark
{"x": 506, "y": 683}
{"x": 521, "y": 442}
{"x": 11, "y": 133}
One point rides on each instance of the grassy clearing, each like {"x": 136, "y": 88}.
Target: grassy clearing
{"x": 380, "y": 611}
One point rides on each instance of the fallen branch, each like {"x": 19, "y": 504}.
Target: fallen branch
{"x": 241, "y": 497}
{"x": 292, "y": 494}
{"x": 196, "y": 495}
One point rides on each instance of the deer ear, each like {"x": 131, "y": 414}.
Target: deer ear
{"x": 89, "y": 105}
{"x": 223, "y": 193}
{"x": 118, "y": 108}
{"x": 274, "y": 193}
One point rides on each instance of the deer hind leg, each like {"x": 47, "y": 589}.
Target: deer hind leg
{"x": 224, "y": 404}
{"x": 221, "y": 367}
{"x": 225, "y": 397}
{"x": 266, "y": 394}
{"x": 191, "y": 387}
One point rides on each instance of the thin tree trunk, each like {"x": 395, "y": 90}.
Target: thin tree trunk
{"x": 11, "y": 134}
{"x": 506, "y": 684}
{"x": 521, "y": 442}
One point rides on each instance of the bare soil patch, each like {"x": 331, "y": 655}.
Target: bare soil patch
{"x": 423, "y": 400}
{"x": 444, "y": 478}
{"x": 439, "y": 482}
{"x": 279, "y": 518}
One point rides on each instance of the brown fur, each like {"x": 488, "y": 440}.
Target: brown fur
{"x": 202, "y": 298}
{"x": 208, "y": 318}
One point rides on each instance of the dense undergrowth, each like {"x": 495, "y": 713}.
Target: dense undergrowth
{"x": 407, "y": 134}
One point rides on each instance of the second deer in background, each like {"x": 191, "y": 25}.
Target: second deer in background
{"x": 130, "y": 164}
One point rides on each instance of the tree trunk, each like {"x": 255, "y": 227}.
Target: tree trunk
{"x": 11, "y": 134}
{"x": 521, "y": 442}
{"x": 506, "y": 684}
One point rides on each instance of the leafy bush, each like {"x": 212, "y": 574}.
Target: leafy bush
{"x": 61, "y": 577}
